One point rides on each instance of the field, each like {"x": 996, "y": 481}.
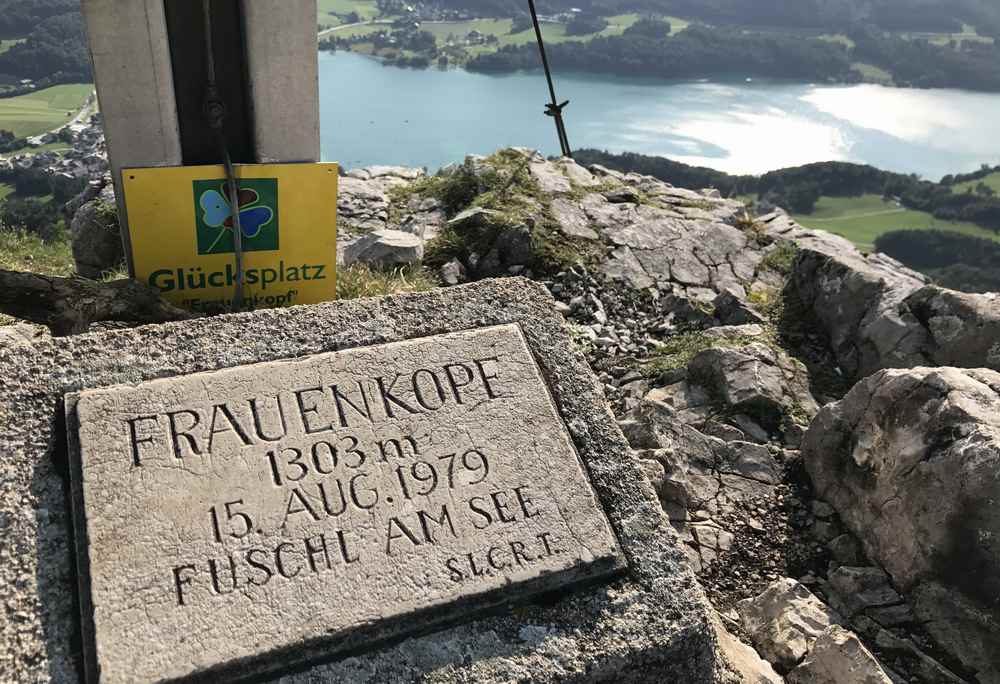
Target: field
{"x": 968, "y": 35}
{"x": 862, "y": 219}
{"x": 873, "y": 74}
{"x": 8, "y": 44}
{"x": 992, "y": 180}
{"x": 326, "y": 9}
{"x": 552, "y": 32}
{"x": 43, "y": 111}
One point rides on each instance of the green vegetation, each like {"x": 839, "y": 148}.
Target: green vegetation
{"x": 952, "y": 260}
{"x": 44, "y": 110}
{"x": 332, "y": 12}
{"x": 22, "y": 251}
{"x": 5, "y": 190}
{"x": 862, "y": 219}
{"x": 781, "y": 258}
{"x": 872, "y": 74}
{"x": 991, "y": 181}
{"x": 677, "y": 351}
{"x": 504, "y": 187}
{"x": 361, "y": 280}
{"x": 8, "y": 44}
{"x": 968, "y": 34}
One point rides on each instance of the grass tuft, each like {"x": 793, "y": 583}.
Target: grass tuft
{"x": 361, "y": 280}
{"x": 677, "y": 351}
{"x": 781, "y": 258}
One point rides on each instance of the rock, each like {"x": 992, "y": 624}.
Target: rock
{"x": 425, "y": 218}
{"x": 962, "y": 626}
{"x": 572, "y": 220}
{"x": 758, "y": 378}
{"x": 578, "y": 175}
{"x": 785, "y": 621}
{"x": 650, "y": 623}
{"x": 856, "y": 300}
{"x": 96, "y": 236}
{"x": 453, "y": 272}
{"x": 863, "y": 588}
{"x": 751, "y": 379}
{"x": 387, "y": 248}
{"x": 507, "y": 245}
{"x": 845, "y": 549}
{"x": 911, "y": 461}
{"x": 838, "y": 657}
{"x": 622, "y": 195}
{"x": 622, "y": 265}
{"x": 23, "y": 335}
{"x": 605, "y": 172}
{"x": 705, "y": 480}
{"x": 745, "y": 661}
{"x": 963, "y": 329}
{"x": 394, "y": 171}
{"x": 550, "y": 178}
{"x": 923, "y": 666}
{"x": 731, "y": 309}
{"x": 361, "y": 205}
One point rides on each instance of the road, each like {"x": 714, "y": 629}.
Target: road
{"x": 326, "y": 32}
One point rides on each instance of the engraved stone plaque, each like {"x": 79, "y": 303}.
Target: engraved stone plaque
{"x": 303, "y": 508}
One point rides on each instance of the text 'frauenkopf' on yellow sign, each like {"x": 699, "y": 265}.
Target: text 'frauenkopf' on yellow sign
{"x": 181, "y": 234}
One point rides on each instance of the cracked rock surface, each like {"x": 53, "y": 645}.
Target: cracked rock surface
{"x": 911, "y": 461}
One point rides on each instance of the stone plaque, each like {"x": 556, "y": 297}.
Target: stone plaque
{"x": 283, "y": 509}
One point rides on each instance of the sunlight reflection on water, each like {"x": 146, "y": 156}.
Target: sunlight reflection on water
{"x": 373, "y": 114}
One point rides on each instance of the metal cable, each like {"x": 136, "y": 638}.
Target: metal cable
{"x": 553, "y": 109}
{"x": 215, "y": 115}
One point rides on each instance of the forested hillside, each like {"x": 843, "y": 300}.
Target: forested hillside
{"x": 53, "y": 45}
{"x": 798, "y": 188}
{"x": 940, "y": 16}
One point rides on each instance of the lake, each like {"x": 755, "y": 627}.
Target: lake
{"x": 377, "y": 114}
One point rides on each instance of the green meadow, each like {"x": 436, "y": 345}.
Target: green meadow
{"x": 862, "y": 219}
{"x": 44, "y": 110}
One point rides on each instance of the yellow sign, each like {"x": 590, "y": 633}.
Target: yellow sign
{"x": 181, "y": 232}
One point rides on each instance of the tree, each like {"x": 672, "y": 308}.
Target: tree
{"x": 583, "y": 24}
{"x": 802, "y": 198}
{"x": 522, "y": 22}
{"x": 649, "y": 27}
{"x": 10, "y": 142}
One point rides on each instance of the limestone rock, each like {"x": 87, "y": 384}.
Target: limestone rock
{"x": 857, "y": 302}
{"x": 785, "y": 621}
{"x": 763, "y": 390}
{"x": 964, "y": 329}
{"x": 751, "y": 668}
{"x": 911, "y": 461}
{"x": 572, "y": 220}
{"x": 361, "y": 205}
{"x": 387, "y": 248}
{"x": 424, "y": 217}
{"x": 550, "y": 178}
{"x": 22, "y": 335}
{"x": 96, "y": 236}
{"x": 702, "y": 480}
{"x": 863, "y": 588}
{"x": 578, "y": 175}
{"x": 504, "y": 245}
{"x": 453, "y": 272}
{"x": 651, "y": 623}
{"x": 838, "y": 657}
{"x": 732, "y": 309}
